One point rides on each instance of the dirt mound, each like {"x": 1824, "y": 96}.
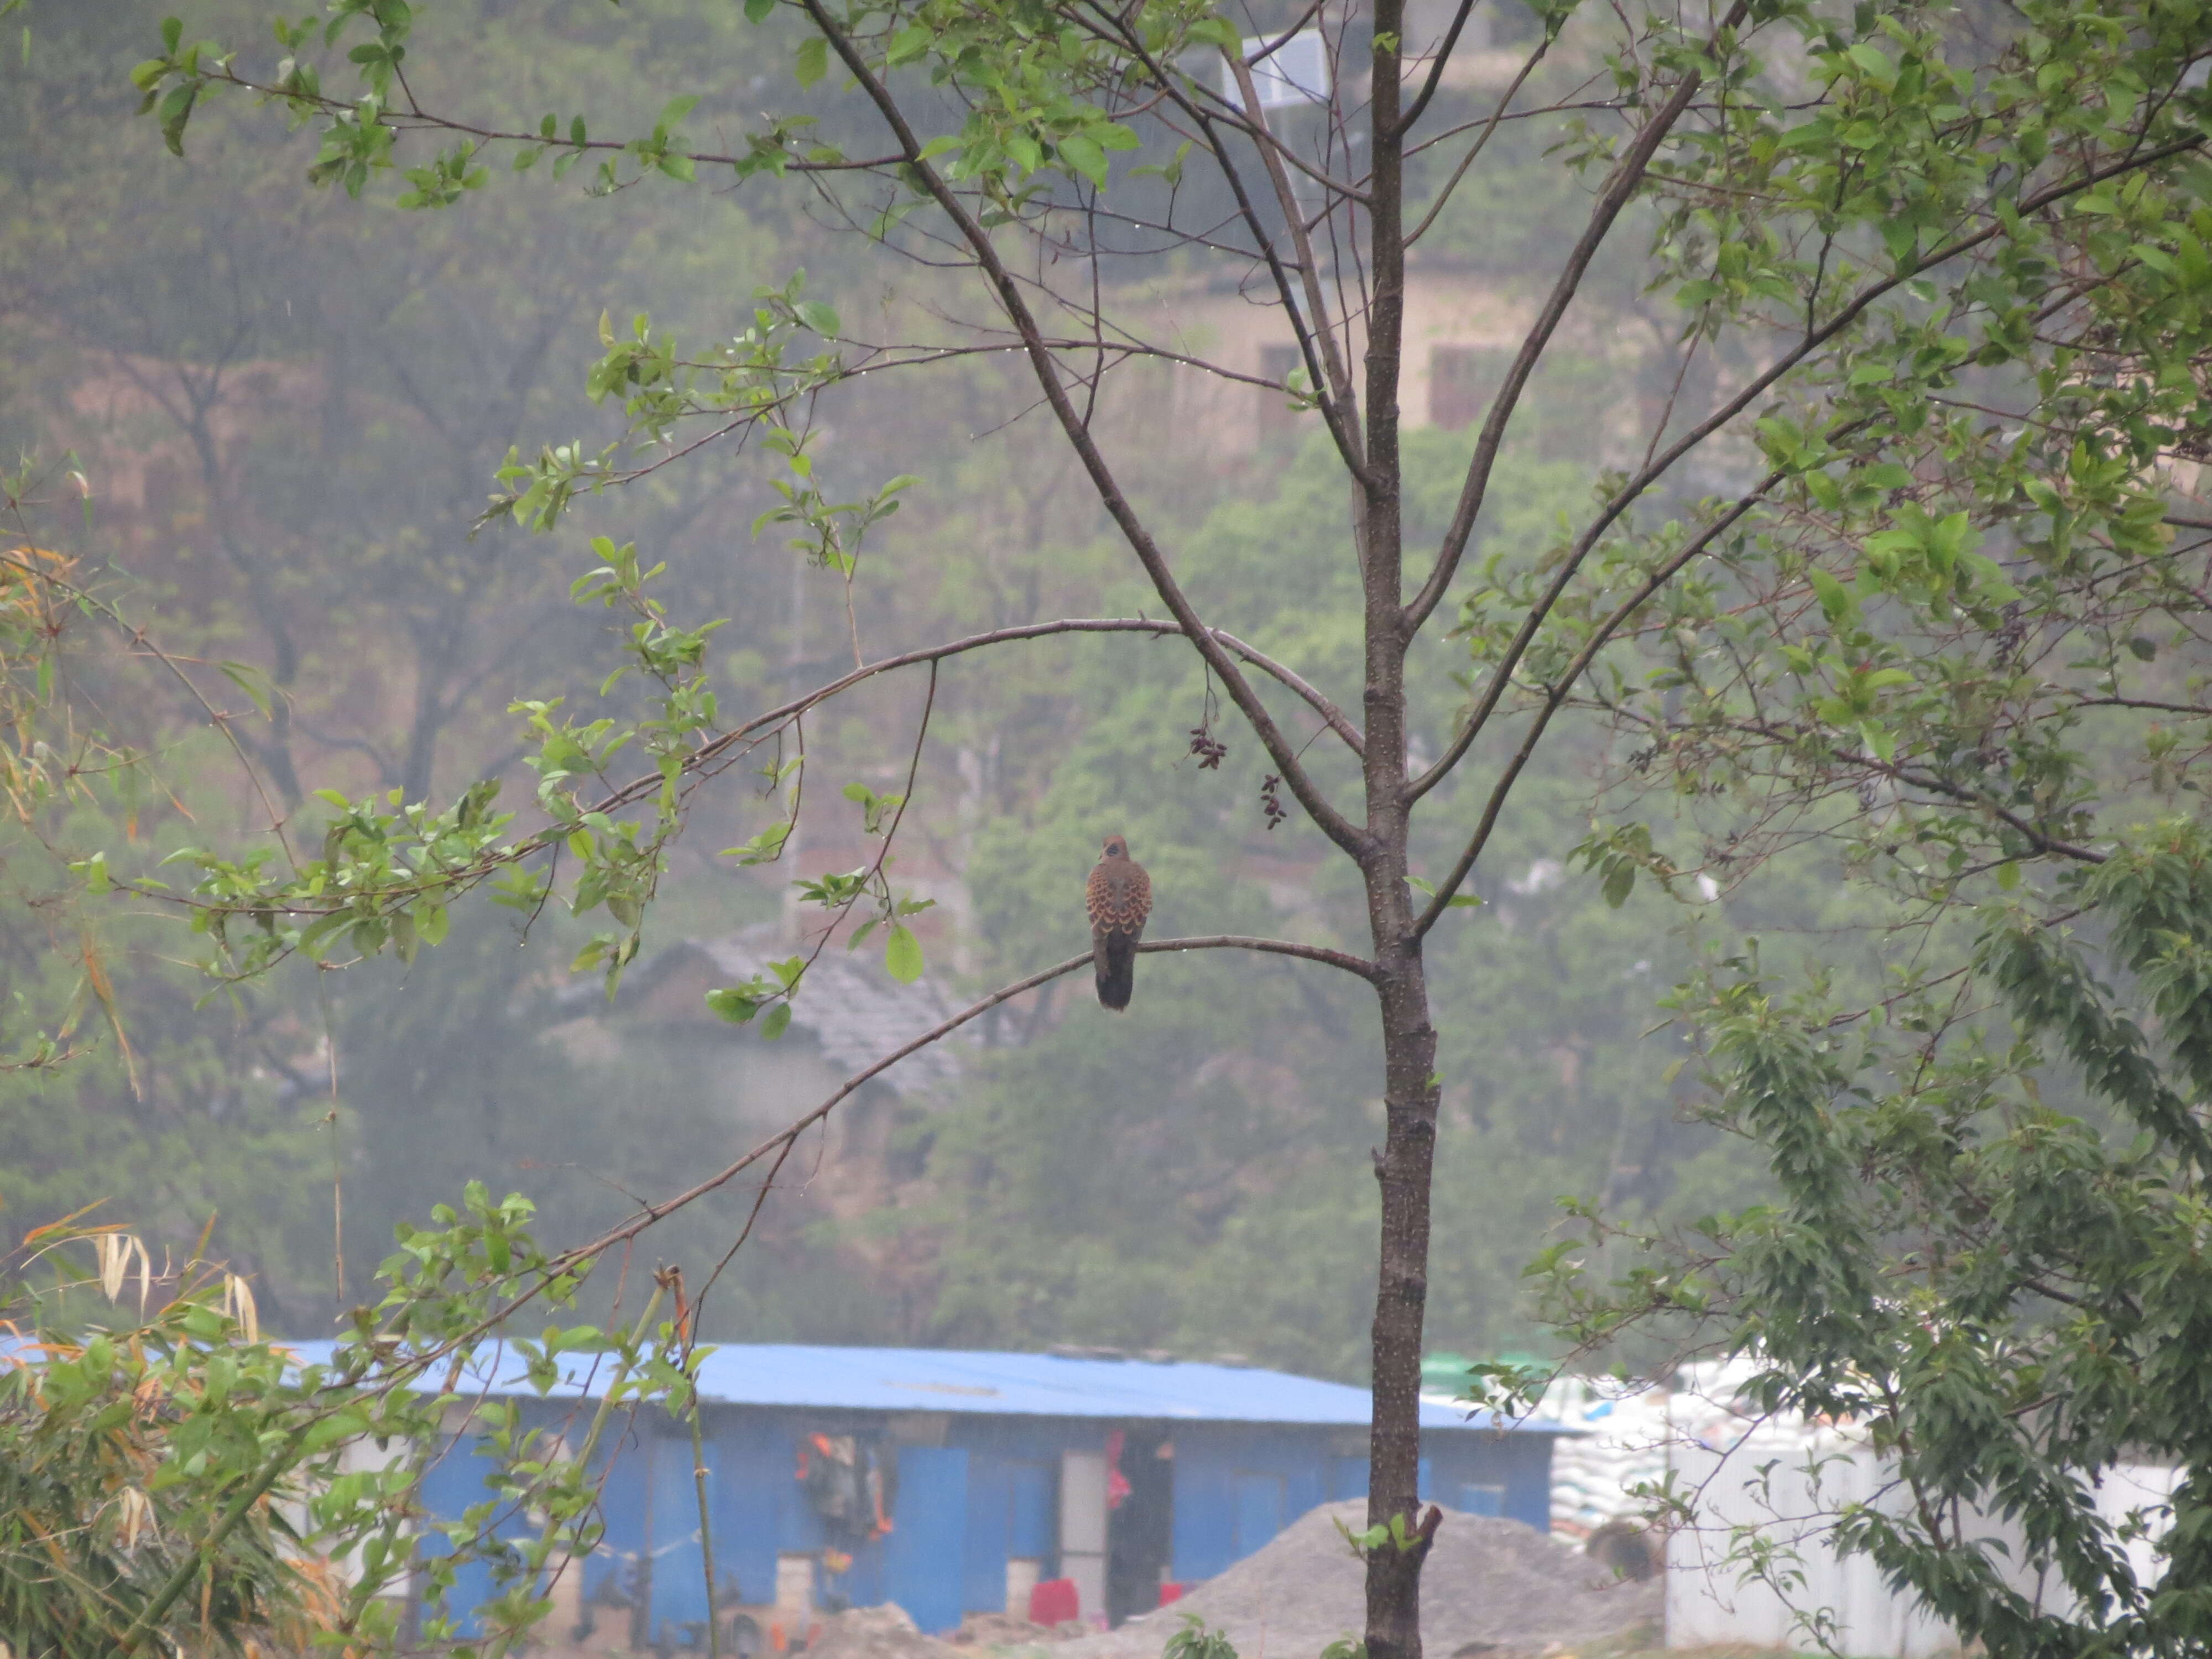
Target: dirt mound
{"x": 1492, "y": 1588}
{"x": 999, "y": 1630}
{"x": 883, "y": 1632}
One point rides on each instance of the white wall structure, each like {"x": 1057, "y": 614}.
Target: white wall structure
{"x": 1779, "y": 1487}
{"x": 2140, "y": 1486}
{"x": 1789, "y": 1490}
{"x": 1773, "y": 1486}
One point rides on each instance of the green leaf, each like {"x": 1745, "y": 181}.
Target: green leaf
{"x": 821, "y": 317}
{"x": 1085, "y": 156}
{"x": 251, "y": 681}
{"x": 813, "y": 59}
{"x": 1836, "y": 603}
{"x": 778, "y": 1018}
{"x": 1870, "y": 59}
{"x": 734, "y": 1005}
{"x": 902, "y": 954}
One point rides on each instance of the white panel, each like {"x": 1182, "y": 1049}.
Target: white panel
{"x": 794, "y": 1588}
{"x": 1082, "y": 1528}
{"x": 1083, "y": 1503}
{"x": 1089, "y": 1572}
{"x": 1021, "y": 1580}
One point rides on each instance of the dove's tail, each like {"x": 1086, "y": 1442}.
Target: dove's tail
{"x": 1115, "y": 958}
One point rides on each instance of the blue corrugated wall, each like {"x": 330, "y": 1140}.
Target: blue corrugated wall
{"x": 989, "y": 1493}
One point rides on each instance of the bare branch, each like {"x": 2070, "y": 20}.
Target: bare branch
{"x": 137, "y": 634}
{"x": 1557, "y": 694}
{"x": 1443, "y": 56}
{"x": 1339, "y": 377}
{"x": 2149, "y": 704}
{"x": 416, "y": 118}
{"x": 1338, "y": 828}
{"x": 701, "y": 760}
{"x": 1496, "y": 115}
{"x": 1334, "y": 717}
{"x": 1750, "y": 394}
{"x": 1342, "y": 420}
{"x": 784, "y": 1138}
{"x": 1619, "y": 190}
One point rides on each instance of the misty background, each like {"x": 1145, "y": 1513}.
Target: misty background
{"x": 289, "y": 407}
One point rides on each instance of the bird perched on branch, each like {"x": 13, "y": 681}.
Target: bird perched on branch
{"x": 1118, "y": 897}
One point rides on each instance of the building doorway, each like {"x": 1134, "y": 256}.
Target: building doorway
{"x": 1140, "y": 1528}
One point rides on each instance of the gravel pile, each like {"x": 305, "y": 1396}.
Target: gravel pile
{"x": 998, "y": 1630}
{"x": 1492, "y": 1588}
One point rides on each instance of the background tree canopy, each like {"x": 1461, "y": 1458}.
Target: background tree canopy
{"x": 348, "y": 457}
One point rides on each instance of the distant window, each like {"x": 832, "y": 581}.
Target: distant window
{"x": 1460, "y": 381}
{"x": 1296, "y": 72}
{"x": 1277, "y": 363}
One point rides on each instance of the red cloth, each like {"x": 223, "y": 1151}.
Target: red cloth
{"x": 1170, "y": 1593}
{"x": 1054, "y": 1601}
{"x": 1117, "y": 1484}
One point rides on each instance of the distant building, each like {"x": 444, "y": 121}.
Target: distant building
{"x": 849, "y": 1015}
{"x": 953, "y": 1483}
{"x": 1460, "y": 335}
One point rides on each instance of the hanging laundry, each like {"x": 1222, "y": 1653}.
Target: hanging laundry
{"x": 830, "y": 1470}
{"x": 1117, "y": 1484}
{"x": 850, "y": 1483}
{"x": 881, "y": 1488}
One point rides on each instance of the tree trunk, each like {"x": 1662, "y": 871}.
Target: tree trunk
{"x": 1409, "y": 1042}
{"x": 1401, "y": 1172}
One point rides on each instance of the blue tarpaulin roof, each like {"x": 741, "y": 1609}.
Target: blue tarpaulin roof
{"x": 1016, "y": 1384}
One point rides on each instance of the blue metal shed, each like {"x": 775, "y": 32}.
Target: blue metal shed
{"x": 993, "y": 1470}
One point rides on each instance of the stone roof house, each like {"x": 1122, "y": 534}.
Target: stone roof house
{"x": 850, "y": 1013}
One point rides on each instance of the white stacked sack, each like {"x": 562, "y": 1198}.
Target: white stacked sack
{"x": 1629, "y": 1425}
